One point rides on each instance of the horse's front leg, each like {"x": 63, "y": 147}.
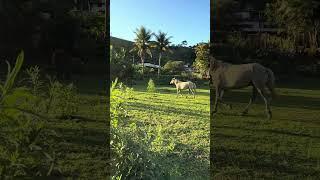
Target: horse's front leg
{"x": 262, "y": 92}
{"x": 216, "y": 101}
{"x": 252, "y": 99}
{"x": 222, "y": 102}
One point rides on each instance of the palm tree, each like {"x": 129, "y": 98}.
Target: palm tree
{"x": 142, "y": 44}
{"x": 162, "y": 44}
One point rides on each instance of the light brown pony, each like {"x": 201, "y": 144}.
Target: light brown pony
{"x": 180, "y": 85}
{"x": 226, "y": 76}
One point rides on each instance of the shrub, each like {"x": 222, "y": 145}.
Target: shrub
{"x": 151, "y": 88}
{"x": 23, "y": 148}
{"x": 63, "y": 99}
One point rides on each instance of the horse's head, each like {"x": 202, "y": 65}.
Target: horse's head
{"x": 173, "y": 81}
{"x": 214, "y": 64}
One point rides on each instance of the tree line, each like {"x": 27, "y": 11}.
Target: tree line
{"x": 295, "y": 44}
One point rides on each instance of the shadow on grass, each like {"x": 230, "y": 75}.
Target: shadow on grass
{"x": 82, "y": 136}
{"x": 189, "y": 162}
{"x": 274, "y": 131}
{"x": 300, "y": 83}
{"x": 280, "y": 101}
{"x": 166, "y": 109}
{"x": 266, "y": 163}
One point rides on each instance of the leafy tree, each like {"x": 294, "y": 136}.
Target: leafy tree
{"x": 296, "y": 17}
{"x": 142, "y": 44}
{"x": 224, "y": 14}
{"x": 202, "y": 57}
{"x": 120, "y": 65}
{"x": 184, "y": 43}
{"x": 162, "y": 44}
{"x": 173, "y": 67}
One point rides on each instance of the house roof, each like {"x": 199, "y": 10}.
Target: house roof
{"x": 150, "y": 65}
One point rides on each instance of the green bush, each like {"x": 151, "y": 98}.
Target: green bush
{"x": 151, "y": 88}
{"x": 174, "y": 67}
{"x": 64, "y": 100}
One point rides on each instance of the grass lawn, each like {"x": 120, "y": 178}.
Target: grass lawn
{"x": 81, "y": 143}
{"x": 184, "y": 119}
{"x": 286, "y": 147}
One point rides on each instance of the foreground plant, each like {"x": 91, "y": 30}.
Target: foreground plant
{"x": 22, "y": 127}
{"x": 135, "y": 151}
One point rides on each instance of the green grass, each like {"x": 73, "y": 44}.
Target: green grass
{"x": 286, "y": 147}
{"x": 81, "y": 143}
{"x": 184, "y": 119}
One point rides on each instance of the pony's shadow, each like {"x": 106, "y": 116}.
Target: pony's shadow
{"x": 239, "y": 114}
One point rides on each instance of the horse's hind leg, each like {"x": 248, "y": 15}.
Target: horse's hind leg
{"x": 271, "y": 89}
{"x": 252, "y": 99}
{"x": 262, "y": 92}
{"x": 192, "y": 92}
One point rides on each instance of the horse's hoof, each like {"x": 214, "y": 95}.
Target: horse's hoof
{"x": 269, "y": 115}
{"x": 244, "y": 113}
{"x": 230, "y": 107}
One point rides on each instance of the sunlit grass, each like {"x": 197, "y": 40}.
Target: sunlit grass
{"x": 184, "y": 119}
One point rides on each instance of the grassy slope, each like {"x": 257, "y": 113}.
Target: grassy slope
{"x": 184, "y": 119}
{"x": 287, "y": 146}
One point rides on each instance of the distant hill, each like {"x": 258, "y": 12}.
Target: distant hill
{"x": 120, "y": 42}
{"x": 185, "y": 54}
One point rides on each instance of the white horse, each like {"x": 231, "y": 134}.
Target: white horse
{"x": 180, "y": 85}
{"x": 226, "y": 76}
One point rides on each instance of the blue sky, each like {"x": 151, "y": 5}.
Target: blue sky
{"x": 183, "y": 19}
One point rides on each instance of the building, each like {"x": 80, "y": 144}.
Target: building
{"x": 253, "y": 21}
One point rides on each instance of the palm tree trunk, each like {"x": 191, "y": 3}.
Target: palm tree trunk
{"x": 160, "y": 55}
{"x": 142, "y": 60}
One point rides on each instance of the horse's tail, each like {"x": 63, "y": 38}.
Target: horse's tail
{"x": 271, "y": 82}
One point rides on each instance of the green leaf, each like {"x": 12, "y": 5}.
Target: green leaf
{"x": 11, "y": 76}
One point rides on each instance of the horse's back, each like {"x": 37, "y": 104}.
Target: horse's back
{"x": 242, "y": 75}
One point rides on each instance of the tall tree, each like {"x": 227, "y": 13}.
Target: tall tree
{"x": 296, "y": 17}
{"x": 142, "y": 44}
{"x": 202, "y": 58}
{"x": 162, "y": 44}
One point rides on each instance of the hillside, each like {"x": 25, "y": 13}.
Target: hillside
{"x": 180, "y": 53}
{"x": 120, "y": 42}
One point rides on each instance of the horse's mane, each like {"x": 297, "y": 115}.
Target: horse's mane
{"x": 178, "y": 80}
{"x": 223, "y": 64}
